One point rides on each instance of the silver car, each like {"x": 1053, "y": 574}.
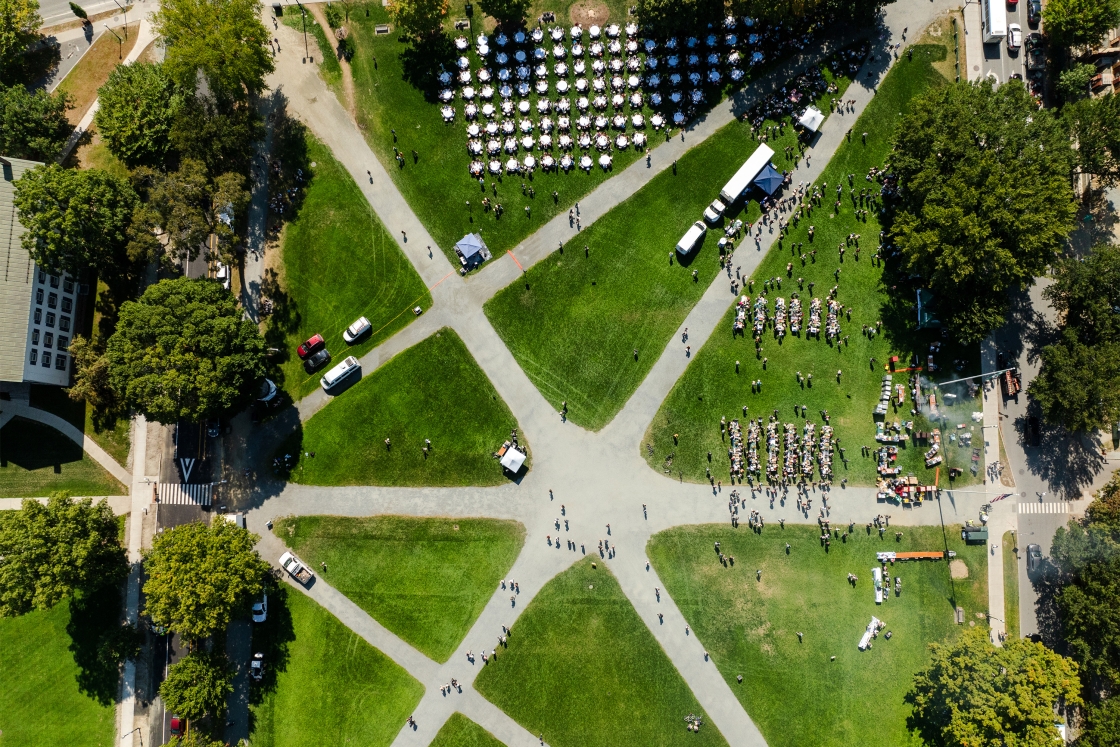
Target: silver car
{"x": 356, "y": 330}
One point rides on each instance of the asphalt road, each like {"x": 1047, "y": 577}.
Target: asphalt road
{"x": 999, "y": 62}
{"x": 1037, "y": 528}
{"x": 58, "y": 11}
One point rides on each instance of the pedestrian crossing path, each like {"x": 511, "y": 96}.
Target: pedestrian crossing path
{"x": 1062, "y": 507}
{"x": 176, "y": 494}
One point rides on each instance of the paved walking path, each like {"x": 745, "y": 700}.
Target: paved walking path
{"x": 599, "y": 477}
{"x": 141, "y": 492}
{"x": 19, "y": 409}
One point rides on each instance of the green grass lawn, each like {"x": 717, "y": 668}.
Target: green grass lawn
{"x": 339, "y": 263}
{"x": 792, "y": 690}
{"x": 1010, "y": 586}
{"x": 326, "y": 685}
{"x": 396, "y": 89}
{"x": 36, "y": 460}
{"x": 582, "y": 668}
{"x": 114, "y": 434}
{"x": 574, "y": 322}
{"x": 434, "y": 390}
{"x": 426, "y": 580}
{"x": 460, "y": 731}
{"x": 711, "y": 387}
{"x": 43, "y": 702}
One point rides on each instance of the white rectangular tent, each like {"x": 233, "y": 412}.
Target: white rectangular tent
{"x": 812, "y": 119}
{"x": 513, "y": 460}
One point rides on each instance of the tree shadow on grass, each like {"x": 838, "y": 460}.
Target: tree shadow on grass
{"x": 98, "y": 640}
{"x": 422, "y": 62}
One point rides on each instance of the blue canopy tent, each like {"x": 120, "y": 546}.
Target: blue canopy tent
{"x": 472, "y": 250}
{"x": 769, "y": 179}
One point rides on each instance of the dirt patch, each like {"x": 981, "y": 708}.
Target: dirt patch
{"x": 957, "y": 569}
{"x": 588, "y": 12}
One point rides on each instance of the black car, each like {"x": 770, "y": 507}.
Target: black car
{"x": 1033, "y": 430}
{"x": 1034, "y": 11}
{"x": 1034, "y": 557}
{"x": 317, "y": 360}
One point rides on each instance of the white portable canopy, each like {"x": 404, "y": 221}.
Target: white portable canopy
{"x": 513, "y": 460}
{"x": 812, "y": 118}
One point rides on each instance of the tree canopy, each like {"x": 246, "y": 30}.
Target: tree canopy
{"x": 186, "y": 207}
{"x": 1095, "y": 127}
{"x": 137, "y": 107}
{"x": 19, "y": 26}
{"x": 49, "y": 552}
{"x": 218, "y": 133}
{"x": 196, "y": 685}
{"x": 1078, "y": 386}
{"x": 223, "y": 41}
{"x": 824, "y": 10}
{"x": 420, "y": 19}
{"x": 509, "y": 12}
{"x": 1087, "y": 555}
{"x": 1072, "y": 23}
{"x": 674, "y": 16}
{"x": 184, "y": 352}
{"x": 75, "y": 219}
{"x": 1102, "y": 725}
{"x": 985, "y": 199}
{"x": 974, "y": 694}
{"x": 201, "y": 576}
{"x": 33, "y": 125}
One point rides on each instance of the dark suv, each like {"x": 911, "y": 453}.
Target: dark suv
{"x": 1034, "y": 11}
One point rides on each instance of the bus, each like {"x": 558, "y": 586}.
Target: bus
{"x": 994, "y": 14}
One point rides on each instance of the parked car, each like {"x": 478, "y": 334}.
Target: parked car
{"x": 1033, "y": 432}
{"x": 256, "y": 667}
{"x": 1034, "y": 11}
{"x": 1014, "y": 36}
{"x": 340, "y": 372}
{"x": 1034, "y": 39}
{"x": 1034, "y": 557}
{"x": 1015, "y": 76}
{"x": 714, "y": 211}
{"x": 176, "y": 725}
{"x": 317, "y": 361}
{"x": 1036, "y": 60}
{"x": 357, "y": 329}
{"x": 310, "y": 346}
{"x": 260, "y": 610}
{"x": 214, "y": 428}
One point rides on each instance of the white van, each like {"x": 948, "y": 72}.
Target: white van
{"x": 698, "y": 229}
{"x": 339, "y": 372}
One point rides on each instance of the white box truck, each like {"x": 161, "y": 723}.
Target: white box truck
{"x": 994, "y": 17}
{"x": 746, "y": 174}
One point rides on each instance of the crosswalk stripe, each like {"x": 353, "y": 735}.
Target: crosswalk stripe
{"x": 177, "y": 494}
{"x": 1060, "y": 507}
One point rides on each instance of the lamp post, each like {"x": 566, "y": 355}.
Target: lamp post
{"x": 306, "y": 50}
{"x": 120, "y": 42}
{"x": 469, "y": 9}
{"x": 124, "y": 12}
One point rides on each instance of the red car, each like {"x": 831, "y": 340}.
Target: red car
{"x": 310, "y": 346}
{"x": 176, "y": 726}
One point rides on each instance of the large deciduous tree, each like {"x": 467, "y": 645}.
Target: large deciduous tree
{"x": 985, "y": 199}
{"x": 1072, "y": 23}
{"x": 184, "y": 352}
{"x": 200, "y": 577}
{"x": 136, "y": 108}
{"x": 1087, "y": 555}
{"x": 49, "y": 552}
{"x": 420, "y": 19}
{"x": 19, "y": 26}
{"x": 973, "y": 694}
{"x": 223, "y": 41}
{"x": 33, "y": 125}
{"x": 197, "y": 684}
{"x": 75, "y": 219}
{"x": 1079, "y": 384}
{"x": 1095, "y": 126}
